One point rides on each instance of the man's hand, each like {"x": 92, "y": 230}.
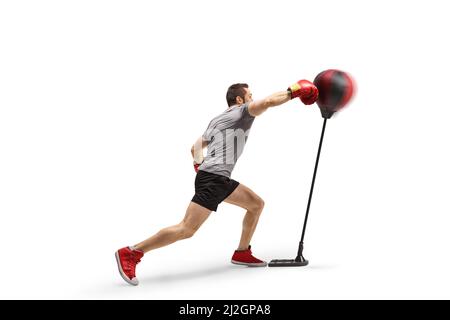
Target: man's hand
{"x": 196, "y": 165}
{"x": 305, "y": 90}
{"x": 197, "y": 152}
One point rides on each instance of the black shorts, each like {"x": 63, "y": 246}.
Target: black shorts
{"x": 211, "y": 189}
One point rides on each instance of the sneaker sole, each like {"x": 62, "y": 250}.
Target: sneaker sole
{"x": 254, "y": 265}
{"x": 123, "y": 275}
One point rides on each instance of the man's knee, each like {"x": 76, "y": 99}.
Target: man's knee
{"x": 257, "y": 205}
{"x": 187, "y": 231}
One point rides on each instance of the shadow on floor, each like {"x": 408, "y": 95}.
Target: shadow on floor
{"x": 194, "y": 274}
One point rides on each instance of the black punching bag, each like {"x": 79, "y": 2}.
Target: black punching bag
{"x": 336, "y": 88}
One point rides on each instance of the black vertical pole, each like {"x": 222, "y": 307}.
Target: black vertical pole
{"x": 300, "y": 257}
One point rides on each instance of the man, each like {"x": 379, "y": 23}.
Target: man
{"x": 225, "y": 139}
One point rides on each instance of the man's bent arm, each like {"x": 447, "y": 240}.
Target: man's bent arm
{"x": 256, "y": 108}
{"x": 197, "y": 150}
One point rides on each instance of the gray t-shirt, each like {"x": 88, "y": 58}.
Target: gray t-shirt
{"x": 226, "y": 135}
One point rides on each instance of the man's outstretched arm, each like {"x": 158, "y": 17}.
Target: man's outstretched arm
{"x": 303, "y": 89}
{"x": 255, "y": 108}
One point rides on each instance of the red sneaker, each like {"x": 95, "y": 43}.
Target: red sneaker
{"x": 127, "y": 259}
{"x": 245, "y": 257}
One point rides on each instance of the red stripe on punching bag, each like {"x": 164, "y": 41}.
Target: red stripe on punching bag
{"x": 349, "y": 90}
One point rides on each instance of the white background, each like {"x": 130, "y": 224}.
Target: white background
{"x": 100, "y": 102}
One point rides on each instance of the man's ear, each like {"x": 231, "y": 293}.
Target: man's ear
{"x": 239, "y": 100}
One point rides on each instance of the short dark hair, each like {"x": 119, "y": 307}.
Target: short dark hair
{"x": 234, "y": 91}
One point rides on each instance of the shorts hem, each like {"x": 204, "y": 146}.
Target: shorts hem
{"x": 204, "y": 205}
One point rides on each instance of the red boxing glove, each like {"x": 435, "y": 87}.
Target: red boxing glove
{"x": 305, "y": 90}
{"x": 196, "y": 165}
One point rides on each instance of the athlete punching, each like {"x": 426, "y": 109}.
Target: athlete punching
{"x": 224, "y": 139}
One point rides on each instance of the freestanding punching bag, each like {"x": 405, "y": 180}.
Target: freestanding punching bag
{"x": 336, "y": 89}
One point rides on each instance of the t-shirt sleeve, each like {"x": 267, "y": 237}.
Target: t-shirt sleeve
{"x": 245, "y": 113}
{"x": 207, "y": 134}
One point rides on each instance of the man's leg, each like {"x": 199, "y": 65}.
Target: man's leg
{"x": 194, "y": 218}
{"x": 128, "y": 257}
{"x": 245, "y": 198}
